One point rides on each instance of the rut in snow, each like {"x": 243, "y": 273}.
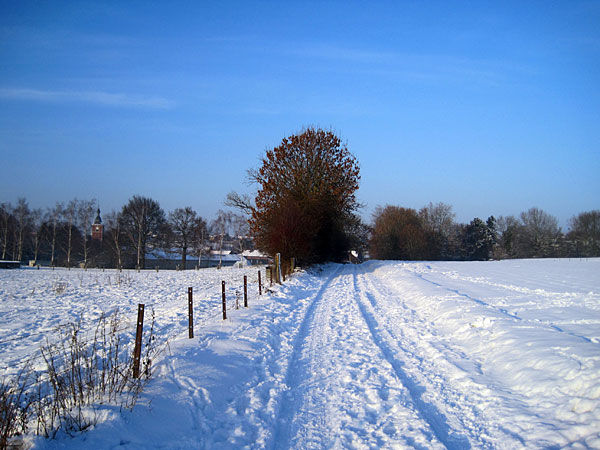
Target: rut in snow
{"x": 285, "y": 406}
{"x": 436, "y": 420}
{"x": 344, "y": 388}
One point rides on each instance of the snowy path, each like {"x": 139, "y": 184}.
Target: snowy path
{"x": 345, "y": 389}
{"x": 383, "y": 355}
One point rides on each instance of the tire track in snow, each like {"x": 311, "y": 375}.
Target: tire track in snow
{"x": 429, "y": 412}
{"x": 341, "y": 391}
{"x": 285, "y": 411}
{"x": 504, "y": 311}
{"x": 473, "y": 398}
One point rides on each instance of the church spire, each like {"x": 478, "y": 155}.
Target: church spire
{"x": 97, "y": 227}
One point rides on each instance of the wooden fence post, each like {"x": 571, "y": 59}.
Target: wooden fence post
{"x": 191, "y": 313}
{"x": 245, "y": 291}
{"x": 278, "y": 268}
{"x": 137, "y": 351}
{"x": 224, "y": 304}
{"x": 259, "y": 284}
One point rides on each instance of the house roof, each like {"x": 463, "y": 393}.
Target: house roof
{"x": 254, "y": 254}
{"x": 175, "y": 255}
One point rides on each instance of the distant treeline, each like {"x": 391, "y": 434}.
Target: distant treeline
{"x": 432, "y": 234}
{"x": 62, "y": 235}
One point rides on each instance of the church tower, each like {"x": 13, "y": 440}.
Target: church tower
{"x": 97, "y": 228}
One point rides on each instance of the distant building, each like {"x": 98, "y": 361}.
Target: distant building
{"x": 97, "y": 228}
{"x": 10, "y": 264}
{"x": 254, "y": 257}
{"x": 171, "y": 259}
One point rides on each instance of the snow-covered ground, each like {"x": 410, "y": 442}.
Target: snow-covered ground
{"x": 385, "y": 354}
{"x": 34, "y": 302}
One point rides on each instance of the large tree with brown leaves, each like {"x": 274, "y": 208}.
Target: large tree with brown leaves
{"x": 306, "y": 195}
{"x": 398, "y": 233}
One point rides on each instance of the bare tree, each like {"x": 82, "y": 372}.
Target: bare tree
{"x": 6, "y": 218}
{"x": 53, "y": 216}
{"x": 185, "y": 225}
{"x": 114, "y": 233}
{"x": 539, "y": 234}
{"x": 69, "y": 214}
{"x": 143, "y": 220}
{"x": 585, "y": 233}
{"x": 220, "y": 227}
{"x": 241, "y": 229}
{"x": 22, "y": 215}
{"x": 85, "y": 214}
{"x": 438, "y": 220}
{"x": 242, "y": 202}
{"x": 201, "y": 237}
{"x": 37, "y": 230}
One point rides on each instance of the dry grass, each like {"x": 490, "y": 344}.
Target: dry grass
{"x": 81, "y": 372}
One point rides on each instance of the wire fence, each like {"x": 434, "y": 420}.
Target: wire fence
{"x": 256, "y": 285}
{"x": 81, "y": 354}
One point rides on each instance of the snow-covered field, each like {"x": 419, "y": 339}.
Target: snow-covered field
{"x": 34, "y": 302}
{"x": 385, "y": 354}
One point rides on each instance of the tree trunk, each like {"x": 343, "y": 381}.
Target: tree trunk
{"x": 53, "y": 243}
{"x": 36, "y": 246}
{"x": 139, "y": 253}
{"x": 69, "y": 248}
{"x": 117, "y": 249}
{"x": 20, "y": 244}
{"x": 4, "y": 241}
{"x": 85, "y": 250}
{"x": 14, "y": 246}
{"x": 221, "y": 251}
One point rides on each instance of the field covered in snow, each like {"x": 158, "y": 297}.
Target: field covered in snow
{"x": 502, "y": 354}
{"x": 35, "y": 302}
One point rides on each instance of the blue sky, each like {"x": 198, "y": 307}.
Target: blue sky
{"x": 492, "y": 107}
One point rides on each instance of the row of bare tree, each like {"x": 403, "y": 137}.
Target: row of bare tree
{"x": 432, "y": 233}
{"x": 61, "y": 235}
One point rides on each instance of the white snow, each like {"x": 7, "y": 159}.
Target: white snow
{"x": 380, "y": 355}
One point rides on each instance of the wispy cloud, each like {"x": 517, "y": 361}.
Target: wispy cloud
{"x": 426, "y": 67}
{"x": 335, "y": 52}
{"x": 420, "y": 67}
{"x": 94, "y": 97}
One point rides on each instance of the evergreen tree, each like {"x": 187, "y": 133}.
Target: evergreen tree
{"x": 478, "y": 240}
